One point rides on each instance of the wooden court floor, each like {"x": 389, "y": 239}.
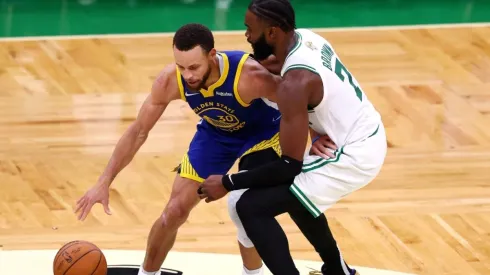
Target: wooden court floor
{"x": 65, "y": 103}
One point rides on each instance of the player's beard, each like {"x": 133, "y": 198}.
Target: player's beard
{"x": 261, "y": 49}
{"x": 202, "y": 83}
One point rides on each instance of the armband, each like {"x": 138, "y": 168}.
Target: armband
{"x": 281, "y": 171}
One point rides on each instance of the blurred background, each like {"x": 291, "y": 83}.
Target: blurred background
{"x": 72, "y": 17}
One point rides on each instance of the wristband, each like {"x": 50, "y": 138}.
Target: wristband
{"x": 227, "y": 183}
{"x": 315, "y": 139}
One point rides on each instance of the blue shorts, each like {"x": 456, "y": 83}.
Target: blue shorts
{"x": 214, "y": 153}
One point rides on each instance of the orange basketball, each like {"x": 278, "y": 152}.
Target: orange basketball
{"x": 79, "y": 258}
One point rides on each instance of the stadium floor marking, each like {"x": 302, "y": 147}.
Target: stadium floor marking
{"x": 40, "y": 262}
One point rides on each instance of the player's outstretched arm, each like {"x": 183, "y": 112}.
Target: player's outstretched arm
{"x": 164, "y": 90}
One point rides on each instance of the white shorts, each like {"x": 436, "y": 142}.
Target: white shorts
{"x": 323, "y": 182}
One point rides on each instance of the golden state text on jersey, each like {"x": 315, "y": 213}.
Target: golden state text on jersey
{"x": 221, "y": 107}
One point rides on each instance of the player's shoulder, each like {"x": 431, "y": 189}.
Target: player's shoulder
{"x": 253, "y": 71}
{"x": 307, "y": 42}
{"x": 235, "y": 54}
{"x": 165, "y": 86}
{"x": 168, "y": 73}
{"x": 233, "y": 57}
{"x": 305, "y": 55}
{"x": 252, "y": 65}
{"x": 255, "y": 81}
{"x": 310, "y": 45}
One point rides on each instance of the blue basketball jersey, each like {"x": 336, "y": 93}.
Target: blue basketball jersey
{"x": 221, "y": 107}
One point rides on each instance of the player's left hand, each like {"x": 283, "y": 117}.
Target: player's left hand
{"x": 212, "y": 189}
{"x": 323, "y": 147}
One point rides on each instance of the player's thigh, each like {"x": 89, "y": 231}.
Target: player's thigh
{"x": 248, "y": 162}
{"x": 269, "y": 201}
{"x": 258, "y": 158}
{"x": 209, "y": 154}
{"x": 263, "y": 142}
{"x": 183, "y": 198}
{"x": 323, "y": 182}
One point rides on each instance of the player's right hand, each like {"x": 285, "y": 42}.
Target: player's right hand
{"x": 97, "y": 194}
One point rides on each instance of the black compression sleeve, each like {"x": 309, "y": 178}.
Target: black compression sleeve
{"x": 278, "y": 172}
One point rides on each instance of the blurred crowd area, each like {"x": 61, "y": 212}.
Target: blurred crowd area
{"x": 72, "y": 17}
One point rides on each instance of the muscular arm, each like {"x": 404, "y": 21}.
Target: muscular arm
{"x": 256, "y": 82}
{"x": 293, "y": 97}
{"x": 163, "y": 91}
{"x": 272, "y": 65}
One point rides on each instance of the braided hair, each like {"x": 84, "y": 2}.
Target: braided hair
{"x": 278, "y": 13}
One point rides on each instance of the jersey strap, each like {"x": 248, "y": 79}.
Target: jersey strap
{"x": 179, "y": 84}
{"x": 237, "y": 79}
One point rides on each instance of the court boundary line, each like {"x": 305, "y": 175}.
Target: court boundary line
{"x": 241, "y": 32}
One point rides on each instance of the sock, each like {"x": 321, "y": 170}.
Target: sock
{"x": 259, "y": 271}
{"x": 143, "y": 272}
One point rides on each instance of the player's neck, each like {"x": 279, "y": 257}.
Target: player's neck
{"x": 215, "y": 73}
{"x": 285, "y": 46}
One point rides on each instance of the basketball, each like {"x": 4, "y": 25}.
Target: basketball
{"x": 79, "y": 258}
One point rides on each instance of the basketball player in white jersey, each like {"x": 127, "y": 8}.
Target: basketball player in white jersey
{"x": 317, "y": 91}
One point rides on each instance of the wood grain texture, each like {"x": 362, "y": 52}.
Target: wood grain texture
{"x": 65, "y": 103}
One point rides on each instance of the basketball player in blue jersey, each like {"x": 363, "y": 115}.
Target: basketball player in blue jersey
{"x": 228, "y": 90}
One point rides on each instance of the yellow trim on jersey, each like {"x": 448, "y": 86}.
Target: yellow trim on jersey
{"x": 187, "y": 171}
{"x": 179, "y": 84}
{"x": 237, "y": 78}
{"x": 270, "y": 143}
{"x": 226, "y": 66}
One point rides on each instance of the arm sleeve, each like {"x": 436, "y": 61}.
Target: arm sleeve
{"x": 281, "y": 171}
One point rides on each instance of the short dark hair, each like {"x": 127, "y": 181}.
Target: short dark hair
{"x": 191, "y": 35}
{"x": 278, "y": 13}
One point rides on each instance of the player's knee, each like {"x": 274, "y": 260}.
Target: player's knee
{"x": 242, "y": 237}
{"x": 233, "y": 198}
{"x": 245, "y": 208}
{"x": 174, "y": 215}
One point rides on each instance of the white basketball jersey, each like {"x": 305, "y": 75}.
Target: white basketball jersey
{"x": 345, "y": 114}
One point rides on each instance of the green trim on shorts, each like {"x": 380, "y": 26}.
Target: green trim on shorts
{"x": 305, "y": 201}
{"x": 322, "y": 162}
{"x": 375, "y": 132}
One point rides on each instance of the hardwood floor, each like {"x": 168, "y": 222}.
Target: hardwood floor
{"x": 65, "y": 103}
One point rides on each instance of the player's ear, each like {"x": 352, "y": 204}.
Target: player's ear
{"x": 272, "y": 33}
{"x": 212, "y": 54}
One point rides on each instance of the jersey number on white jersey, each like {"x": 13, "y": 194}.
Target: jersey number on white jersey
{"x": 340, "y": 70}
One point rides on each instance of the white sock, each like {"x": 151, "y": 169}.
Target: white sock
{"x": 259, "y": 271}
{"x": 143, "y": 272}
